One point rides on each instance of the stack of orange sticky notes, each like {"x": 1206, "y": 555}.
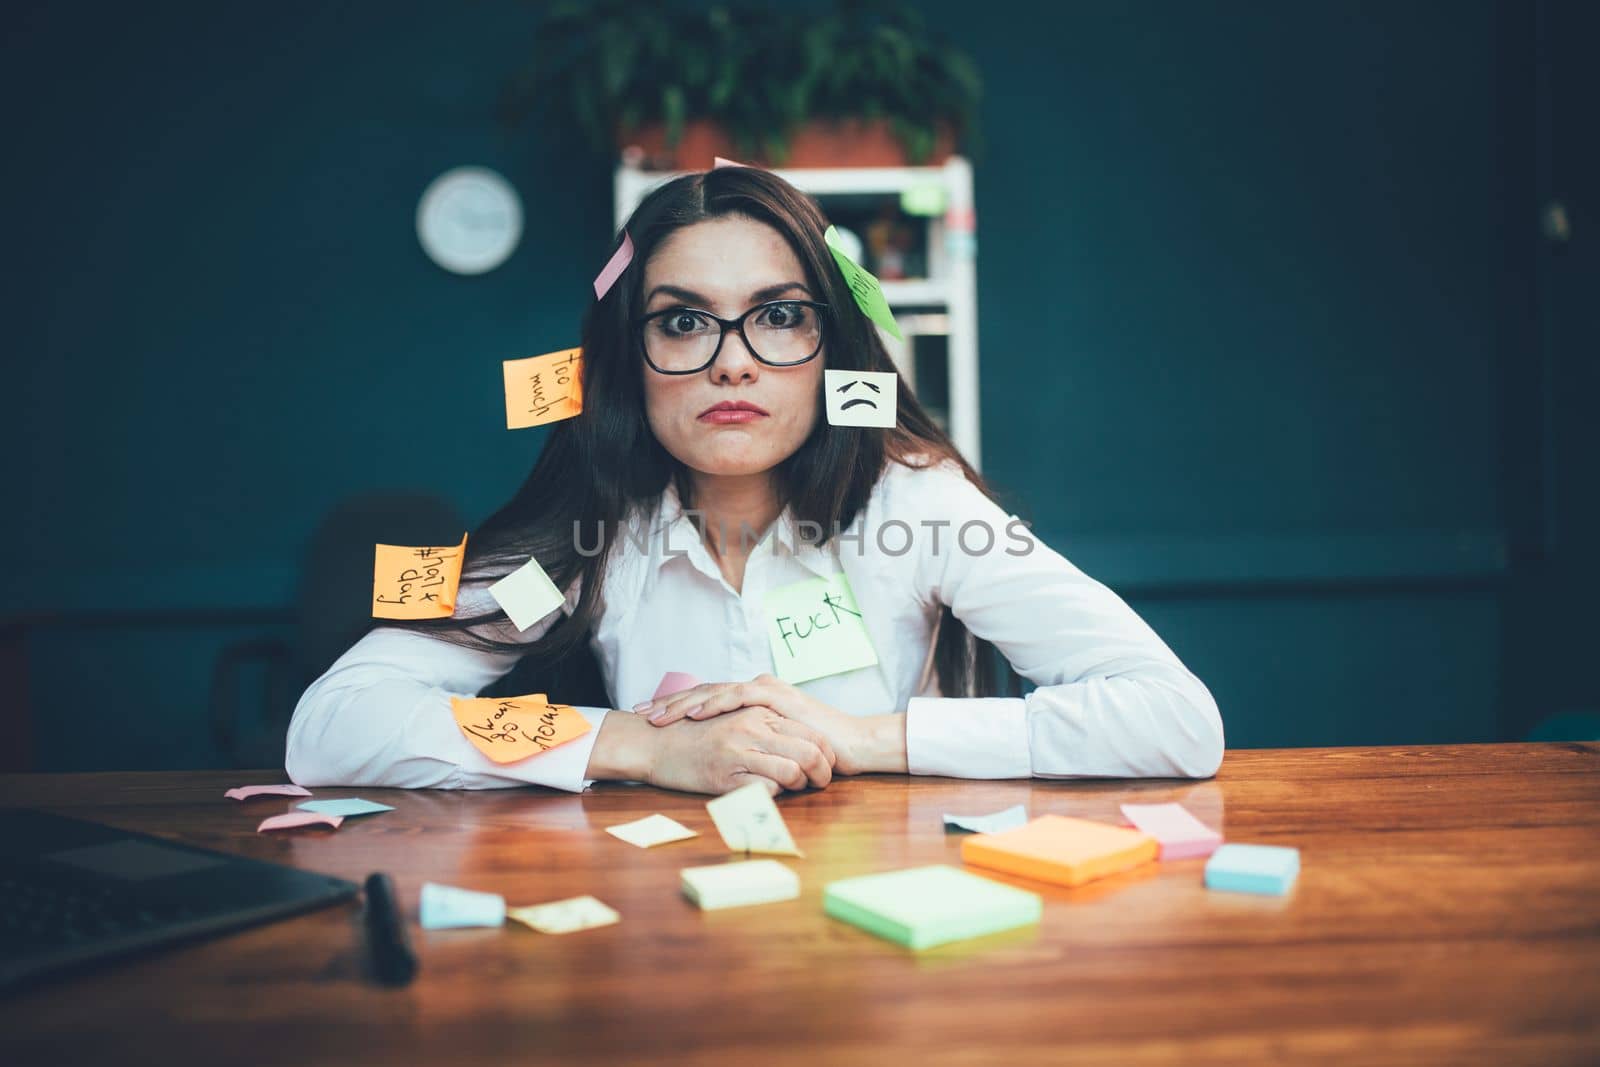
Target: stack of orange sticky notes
{"x": 1059, "y": 849}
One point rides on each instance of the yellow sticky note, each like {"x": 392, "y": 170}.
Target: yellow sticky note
{"x": 543, "y": 389}
{"x": 416, "y": 583}
{"x": 651, "y": 830}
{"x": 815, "y": 629}
{"x": 507, "y": 729}
{"x": 566, "y": 916}
{"x": 748, "y": 821}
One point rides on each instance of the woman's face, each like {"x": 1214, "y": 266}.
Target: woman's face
{"x": 726, "y": 266}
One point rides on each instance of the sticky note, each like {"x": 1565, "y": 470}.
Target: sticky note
{"x": 651, "y": 830}
{"x": 290, "y": 819}
{"x": 245, "y": 792}
{"x": 416, "y": 583}
{"x": 344, "y": 806}
{"x": 1178, "y": 834}
{"x": 1059, "y": 849}
{"x": 859, "y": 397}
{"x": 737, "y": 885}
{"x": 748, "y": 821}
{"x": 527, "y": 594}
{"x": 445, "y": 907}
{"x": 541, "y": 389}
{"x": 566, "y": 916}
{"x": 989, "y": 824}
{"x": 1266, "y": 869}
{"x": 614, "y": 267}
{"x": 508, "y": 729}
{"x": 717, "y": 163}
{"x": 674, "y": 682}
{"x": 926, "y": 906}
{"x": 815, "y": 629}
{"x": 863, "y": 286}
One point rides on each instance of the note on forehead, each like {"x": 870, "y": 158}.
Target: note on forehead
{"x": 541, "y": 389}
{"x": 291, "y": 819}
{"x": 989, "y": 824}
{"x": 614, "y": 267}
{"x": 508, "y": 729}
{"x": 674, "y": 682}
{"x": 245, "y": 792}
{"x": 345, "y": 806}
{"x": 748, "y": 821}
{"x": 527, "y": 594}
{"x": 566, "y": 916}
{"x": 651, "y": 830}
{"x": 416, "y": 583}
{"x": 859, "y": 397}
{"x": 1179, "y": 834}
{"x": 863, "y": 286}
{"x": 815, "y": 629}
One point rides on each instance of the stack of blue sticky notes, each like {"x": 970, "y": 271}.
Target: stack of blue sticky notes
{"x": 1253, "y": 869}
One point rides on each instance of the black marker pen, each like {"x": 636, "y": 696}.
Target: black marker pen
{"x": 388, "y": 944}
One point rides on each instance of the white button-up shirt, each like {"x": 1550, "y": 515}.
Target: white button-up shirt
{"x": 1112, "y": 700}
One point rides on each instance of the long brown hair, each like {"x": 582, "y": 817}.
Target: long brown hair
{"x": 602, "y": 465}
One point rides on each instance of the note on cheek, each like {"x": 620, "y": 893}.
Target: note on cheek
{"x": 416, "y": 583}
{"x": 507, "y": 729}
{"x": 543, "y": 389}
{"x": 815, "y": 629}
{"x": 748, "y": 821}
{"x": 863, "y": 286}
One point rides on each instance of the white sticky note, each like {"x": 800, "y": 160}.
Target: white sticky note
{"x": 445, "y": 907}
{"x": 748, "y": 821}
{"x": 527, "y": 594}
{"x": 990, "y": 824}
{"x": 651, "y": 830}
{"x": 734, "y": 885}
{"x": 859, "y": 397}
{"x": 566, "y": 916}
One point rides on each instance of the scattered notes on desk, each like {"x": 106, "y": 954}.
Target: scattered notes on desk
{"x": 989, "y": 824}
{"x": 1060, "y": 849}
{"x": 614, "y": 267}
{"x": 508, "y": 729}
{"x": 816, "y": 629}
{"x": 860, "y": 397}
{"x": 674, "y": 682}
{"x": 444, "y": 907}
{"x": 527, "y": 594}
{"x": 737, "y": 885}
{"x": 1267, "y": 869}
{"x": 748, "y": 821}
{"x": 863, "y": 286}
{"x": 245, "y": 792}
{"x": 926, "y": 906}
{"x": 543, "y": 389}
{"x": 566, "y": 916}
{"x": 345, "y": 806}
{"x": 650, "y": 831}
{"x": 1178, "y": 834}
{"x": 290, "y": 819}
{"x": 416, "y": 583}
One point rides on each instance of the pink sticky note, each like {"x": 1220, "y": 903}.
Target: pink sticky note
{"x": 1180, "y": 835}
{"x": 718, "y": 162}
{"x": 613, "y": 269}
{"x": 299, "y": 818}
{"x": 245, "y": 792}
{"x": 674, "y": 682}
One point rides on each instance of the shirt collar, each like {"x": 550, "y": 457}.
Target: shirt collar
{"x": 672, "y": 533}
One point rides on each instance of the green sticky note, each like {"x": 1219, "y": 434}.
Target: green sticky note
{"x": 868, "y": 293}
{"x": 926, "y": 199}
{"x": 816, "y": 629}
{"x": 925, "y": 906}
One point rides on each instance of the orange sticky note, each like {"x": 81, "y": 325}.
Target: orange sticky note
{"x": 543, "y": 389}
{"x": 507, "y": 729}
{"x": 416, "y": 583}
{"x": 1059, "y": 849}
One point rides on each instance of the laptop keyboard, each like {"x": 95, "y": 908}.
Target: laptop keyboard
{"x": 41, "y": 909}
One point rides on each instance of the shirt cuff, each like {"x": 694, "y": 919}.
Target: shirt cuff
{"x": 968, "y": 737}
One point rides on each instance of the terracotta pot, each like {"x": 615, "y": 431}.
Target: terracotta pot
{"x": 816, "y": 143}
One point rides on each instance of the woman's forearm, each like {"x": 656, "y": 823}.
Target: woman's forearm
{"x": 624, "y": 750}
{"x": 881, "y": 748}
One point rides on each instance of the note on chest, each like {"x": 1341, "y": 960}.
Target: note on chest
{"x": 816, "y": 629}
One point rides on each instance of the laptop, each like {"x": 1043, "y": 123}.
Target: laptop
{"x": 75, "y": 892}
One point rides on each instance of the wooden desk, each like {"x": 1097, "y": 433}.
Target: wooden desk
{"x": 1448, "y": 910}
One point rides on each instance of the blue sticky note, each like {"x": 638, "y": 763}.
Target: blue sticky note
{"x": 345, "y": 806}
{"x": 1266, "y": 869}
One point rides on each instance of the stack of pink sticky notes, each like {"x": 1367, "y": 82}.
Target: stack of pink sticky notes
{"x": 1179, "y": 835}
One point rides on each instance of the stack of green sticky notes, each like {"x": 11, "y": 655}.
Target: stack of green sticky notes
{"x": 926, "y": 906}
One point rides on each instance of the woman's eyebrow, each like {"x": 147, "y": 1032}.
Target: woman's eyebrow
{"x": 689, "y": 295}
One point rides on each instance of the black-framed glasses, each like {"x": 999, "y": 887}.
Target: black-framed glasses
{"x": 685, "y": 340}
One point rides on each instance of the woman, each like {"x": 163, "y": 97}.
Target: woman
{"x": 700, "y": 492}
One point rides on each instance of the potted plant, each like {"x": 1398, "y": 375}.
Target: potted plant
{"x": 862, "y": 83}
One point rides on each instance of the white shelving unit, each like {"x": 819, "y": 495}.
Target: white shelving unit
{"x": 944, "y": 303}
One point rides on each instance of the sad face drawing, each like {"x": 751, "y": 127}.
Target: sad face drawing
{"x": 860, "y": 397}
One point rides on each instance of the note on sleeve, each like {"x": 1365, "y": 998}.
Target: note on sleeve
{"x": 527, "y": 594}
{"x": 245, "y": 792}
{"x": 815, "y": 629}
{"x": 863, "y": 286}
{"x": 566, "y": 916}
{"x": 650, "y": 831}
{"x": 291, "y": 819}
{"x": 543, "y": 389}
{"x": 345, "y": 806}
{"x": 989, "y": 824}
{"x": 416, "y": 583}
{"x": 508, "y": 729}
{"x": 749, "y": 821}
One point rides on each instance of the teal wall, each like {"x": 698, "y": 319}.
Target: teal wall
{"x": 1243, "y": 347}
